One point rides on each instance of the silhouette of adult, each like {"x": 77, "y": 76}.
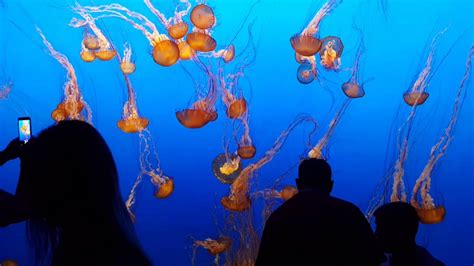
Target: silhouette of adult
{"x": 397, "y": 226}
{"x": 314, "y": 228}
{"x": 69, "y": 194}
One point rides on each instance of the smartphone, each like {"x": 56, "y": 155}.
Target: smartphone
{"x": 24, "y": 129}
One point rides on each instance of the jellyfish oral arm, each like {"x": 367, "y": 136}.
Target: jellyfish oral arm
{"x": 313, "y": 26}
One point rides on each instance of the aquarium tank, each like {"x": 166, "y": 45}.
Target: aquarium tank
{"x": 208, "y": 107}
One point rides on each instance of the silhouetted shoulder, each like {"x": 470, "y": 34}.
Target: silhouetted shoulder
{"x": 424, "y": 258}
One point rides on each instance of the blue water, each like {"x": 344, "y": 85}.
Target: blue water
{"x": 395, "y": 50}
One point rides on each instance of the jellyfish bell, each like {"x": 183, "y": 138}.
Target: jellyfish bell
{"x": 332, "y": 42}
{"x": 246, "y": 151}
{"x": 223, "y": 244}
{"x": 288, "y": 192}
{"x": 305, "y": 45}
{"x": 331, "y": 52}
{"x": 91, "y": 42}
{"x": 226, "y": 167}
{"x": 236, "y": 205}
{"x": 229, "y": 54}
{"x": 237, "y": 109}
{"x": 411, "y": 98}
{"x": 185, "y": 51}
{"x": 203, "y": 17}
{"x": 201, "y": 42}
{"x": 58, "y": 114}
{"x": 353, "y": 90}
{"x": 127, "y": 67}
{"x": 165, "y": 190}
{"x": 178, "y": 30}
{"x": 306, "y": 73}
{"x": 165, "y": 53}
{"x": 87, "y": 56}
{"x": 193, "y": 118}
{"x": 431, "y": 215}
{"x": 105, "y": 54}
{"x": 133, "y": 125}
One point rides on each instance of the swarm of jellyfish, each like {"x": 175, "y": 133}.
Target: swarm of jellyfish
{"x": 307, "y": 44}
{"x": 428, "y": 211}
{"x": 238, "y": 198}
{"x": 73, "y": 106}
{"x": 414, "y": 97}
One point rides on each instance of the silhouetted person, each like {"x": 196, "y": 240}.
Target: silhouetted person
{"x": 69, "y": 194}
{"x": 397, "y": 225}
{"x": 314, "y": 228}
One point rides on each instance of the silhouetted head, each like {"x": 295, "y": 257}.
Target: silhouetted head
{"x": 314, "y": 174}
{"x": 397, "y": 225}
{"x": 73, "y": 192}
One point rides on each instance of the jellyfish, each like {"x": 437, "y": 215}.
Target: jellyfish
{"x": 98, "y": 43}
{"x": 331, "y": 52}
{"x": 176, "y": 27}
{"x": 5, "y": 90}
{"x": 317, "y": 150}
{"x": 285, "y": 193}
{"x": 201, "y": 42}
{"x": 165, "y": 51}
{"x": 307, "y": 71}
{"x": 149, "y": 166}
{"x": 73, "y": 105}
{"x": 226, "y": 167}
{"x": 203, "y": 17}
{"x": 236, "y": 105}
{"x": 238, "y": 198}
{"x": 202, "y": 111}
{"x": 417, "y": 94}
{"x": 306, "y": 43}
{"x": 127, "y": 65}
{"x": 186, "y": 52}
{"x": 131, "y": 121}
{"x": 87, "y": 55}
{"x": 215, "y": 247}
{"x": 227, "y": 54}
{"x": 246, "y": 149}
{"x": 428, "y": 211}
{"x": 353, "y": 89}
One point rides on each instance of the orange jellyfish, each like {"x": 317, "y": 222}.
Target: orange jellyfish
{"x": 238, "y": 198}
{"x": 131, "y": 121}
{"x": 226, "y": 167}
{"x": 149, "y": 166}
{"x": 417, "y": 95}
{"x": 215, "y": 247}
{"x": 306, "y": 43}
{"x": 203, "y": 17}
{"x": 246, "y": 149}
{"x": 201, "y": 42}
{"x": 73, "y": 106}
{"x": 98, "y": 43}
{"x": 285, "y": 193}
{"x": 203, "y": 110}
{"x": 353, "y": 88}
{"x": 330, "y": 53}
{"x": 236, "y": 105}
{"x": 227, "y": 54}
{"x": 185, "y": 51}
{"x": 428, "y": 211}
{"x": 176, "y": 27}
{"x": 317, "y": 150}
{"x": 127, "y": 65}
{"x": 165, "y": 51}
